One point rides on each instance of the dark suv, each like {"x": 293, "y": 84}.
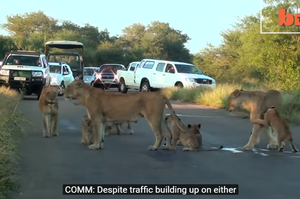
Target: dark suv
{"x": 106, "y": 77}
{"x": 27, "y": 70}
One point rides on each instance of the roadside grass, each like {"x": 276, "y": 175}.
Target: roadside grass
{"x": 11, "y": 133}
{"x": 218, "y": 97}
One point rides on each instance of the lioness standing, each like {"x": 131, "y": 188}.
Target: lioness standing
{"x": 48, "y": 104}
{"x": 104, "y": 107}
{"x": 257, "y": 103}
{"x": 280, "y": 127}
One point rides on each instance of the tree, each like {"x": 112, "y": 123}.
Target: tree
{"x": 7, "y": 44}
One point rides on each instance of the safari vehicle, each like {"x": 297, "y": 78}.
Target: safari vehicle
{"x": 152, "y": 74}
{"x": 89, "y": 74}
{"x": 128, "y": 77}
{"x": 27, "y": 70}
{"x": 61, "y": 75}
{"x": 67, "y": 52}
{"x": 107, "y": 77}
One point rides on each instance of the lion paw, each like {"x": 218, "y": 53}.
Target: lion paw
{"x": 94, "y": 147}
{"x": 272, "y": 146}
{"x": 186, "y": 149}
{"x": 152, "y": 148}
{"x": 46, "y": 136}
{"x": 55, "y": 134}
{"x": 247, "y": 147}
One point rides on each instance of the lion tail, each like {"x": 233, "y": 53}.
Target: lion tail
{"x": 212, "y": 148}
{"x": 176, "y": 119}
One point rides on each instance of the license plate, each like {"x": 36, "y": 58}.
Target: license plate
{"x": 20, "y": 78}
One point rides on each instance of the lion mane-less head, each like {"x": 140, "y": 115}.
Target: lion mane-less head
{"x": 195, "y": 128}
{"x": 233, "y": 100}
{"x": 50, "y": 94}
{"x": 75, "y": 89}
{"x": 86, "y": 121}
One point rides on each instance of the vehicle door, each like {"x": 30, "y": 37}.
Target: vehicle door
{"x": 66, "y": 75}
{"x": 137, "y": 75}
{"x": 70, "y": 76}
{"x": 169, "y": 74}
{"x": 130, "y": 74}
{"x": 158, "y": 76}
{"x": 46, "y": 70}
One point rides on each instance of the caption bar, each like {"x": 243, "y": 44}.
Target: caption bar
{"x": 162, "y": 189}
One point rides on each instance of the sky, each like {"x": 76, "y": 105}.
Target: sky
{"x": 201, "y": 20}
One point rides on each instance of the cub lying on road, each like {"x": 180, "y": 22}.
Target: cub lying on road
{"x": 103, "y": 106}
{"x": 191, "y": 139}
{"x": 87, "y": 131}
{"x": 257, "y": 103}
{"x": 118, "y": 125}
{"x": 280, "y": 127}
{"x": 48, "y": 104}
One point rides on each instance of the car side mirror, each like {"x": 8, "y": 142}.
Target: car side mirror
{"x": 65, "y": 73}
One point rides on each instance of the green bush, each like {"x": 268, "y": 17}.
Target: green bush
{"x": 11, "y": 133}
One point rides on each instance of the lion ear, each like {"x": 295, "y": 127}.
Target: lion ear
{"x": 199, "y": 126}
{"x": 189, "y": 126}
{"x": 236, "y": 93}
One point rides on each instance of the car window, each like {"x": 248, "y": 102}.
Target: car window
{"x": 160, "y": 67}
{"x": 170, "y": 68}
{"x": 133, "y": 66}
{"x": 148, "y": 64}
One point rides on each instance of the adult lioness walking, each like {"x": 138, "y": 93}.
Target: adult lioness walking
{"x": 257, "y": 103}
{"x": 48, "y": 105}
{"x": 103, "y": 106}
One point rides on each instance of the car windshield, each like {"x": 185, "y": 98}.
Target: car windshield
{"x": 110, "y": 68}
{"x": 184, "y": 68}
{"x": 23, "y": 60}
{"x": 88, "y": 72}
{"x": 55, "y": 69}
{"x": 72, "y": 60}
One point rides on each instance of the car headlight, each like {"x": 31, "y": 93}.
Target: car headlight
{"x": 37, "y": 74}
{"x": 4, "y": 72}
{"x": 189, "y": 79}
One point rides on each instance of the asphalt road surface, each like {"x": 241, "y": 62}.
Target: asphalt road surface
{"x": 49, "y": 163}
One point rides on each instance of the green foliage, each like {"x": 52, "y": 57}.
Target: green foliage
{"x": 30, "y": 31}
{"x": 11, "y": 133}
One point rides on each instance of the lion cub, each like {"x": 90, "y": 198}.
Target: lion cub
{"x": 118, "y": 125}
{"x": 273, "y": 119}
{"x": 191, "y": 139}
{"x": 48, "y": 105}
{"x": 87, "y": 137}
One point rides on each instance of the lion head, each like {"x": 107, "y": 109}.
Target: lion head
{"x": 195, "y": 128}
{"x": 233, "y": 100}
{"x": 50, "y": 94}
{"x": 75, "y": 90}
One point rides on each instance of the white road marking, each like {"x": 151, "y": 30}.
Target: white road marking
{"x": 209, "y": 116}
{"x": 68, "y": 125}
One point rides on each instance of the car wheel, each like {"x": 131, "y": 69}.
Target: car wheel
{"x": 62, "y": 89}
{"x": 122, "y": 87}
{"x": 145, "y": 86}
{"x": 179, "y": 85}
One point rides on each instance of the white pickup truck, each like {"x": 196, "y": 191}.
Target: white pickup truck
{"x": 152, "y": 74}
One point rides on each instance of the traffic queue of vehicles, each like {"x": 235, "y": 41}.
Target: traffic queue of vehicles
{"x": 31, "y": 71}
{"x": 147, "y": 75}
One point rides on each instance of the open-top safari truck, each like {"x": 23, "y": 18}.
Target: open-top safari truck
{"x": 70, "y": 52}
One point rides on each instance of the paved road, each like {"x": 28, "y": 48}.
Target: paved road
{"x": 49, "y": 163}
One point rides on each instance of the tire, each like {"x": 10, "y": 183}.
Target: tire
{"x": 179, "y": 85}
{"x": 145, "y": 86}
{"x": 122, "y": 87}
{"x": 62, "y": 89}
